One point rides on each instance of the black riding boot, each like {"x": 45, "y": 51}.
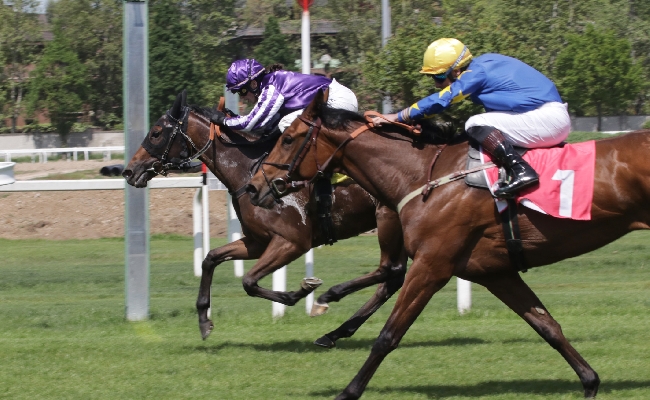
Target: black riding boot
{"x": 519, "y": 174}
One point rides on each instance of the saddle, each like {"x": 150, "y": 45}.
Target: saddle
{"x": 477, "y": 179}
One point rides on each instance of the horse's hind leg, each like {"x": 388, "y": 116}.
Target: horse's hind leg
{"x": 242, "y": 249}
{"x": 514, "y": 292}
{"x": 278, "y": 253}
{"x": 348, "y": 328}
{"x": 393, "y": 275}
{"x": 392, "y": 264}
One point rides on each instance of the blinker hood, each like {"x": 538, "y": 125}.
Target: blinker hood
{"x": 164, "y": 142}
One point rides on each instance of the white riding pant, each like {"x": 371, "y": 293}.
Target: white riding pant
{"x": 339, "y": 97}
{"x": 545, "y": 126}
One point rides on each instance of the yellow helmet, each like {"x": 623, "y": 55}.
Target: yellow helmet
{"x": 444, "y": 55}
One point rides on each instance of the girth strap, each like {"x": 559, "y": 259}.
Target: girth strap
{"x": 424, "y": 189}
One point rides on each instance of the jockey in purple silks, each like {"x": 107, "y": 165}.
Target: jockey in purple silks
{"x": 278, "y": 95}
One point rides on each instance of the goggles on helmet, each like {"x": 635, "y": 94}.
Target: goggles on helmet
{"x": 241, "y": 91}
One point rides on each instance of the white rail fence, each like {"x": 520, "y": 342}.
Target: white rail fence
{"x": 201, "y": 223}
{"x": 200, "y": 215}
{"x": 42, "y": 154}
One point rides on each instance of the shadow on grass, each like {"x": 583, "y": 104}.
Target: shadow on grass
{"x": 523, "y": 387}
{"x": 296, "y": 346}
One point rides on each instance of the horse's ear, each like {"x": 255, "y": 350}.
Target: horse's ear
{"x": 184, "y": 98}
{"x": 178, "y": 104}
{"x": 313, "y": 109}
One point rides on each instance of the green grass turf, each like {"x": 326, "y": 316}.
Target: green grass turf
{"x": 63, "y": 333}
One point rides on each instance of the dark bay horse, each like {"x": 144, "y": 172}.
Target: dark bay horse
{"x": 456, "y": 230}
{"x": 276, "y": 236}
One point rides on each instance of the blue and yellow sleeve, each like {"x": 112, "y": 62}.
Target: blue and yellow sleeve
{"x": 467, "y": 83}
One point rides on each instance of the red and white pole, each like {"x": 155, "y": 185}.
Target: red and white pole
{"x": 305, "y": 36}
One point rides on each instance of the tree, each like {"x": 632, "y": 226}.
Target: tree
{"x": 171, "y": 61}
{"x": 596, "y": 71}
{"x": 212, "y": 26}
{"x": 96, "y": 26}
{"x": 20, "y": 35}
{"x": 274, "y": 48}
{"x": 58, "y": 85}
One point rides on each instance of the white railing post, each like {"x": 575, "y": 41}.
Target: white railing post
{"x": 197, "y": 214}
{"x": 279, "y": 285}
{"x": 309, "y": 272}
{"x": 463, "y": 295}
{"x": 234, "y": 233}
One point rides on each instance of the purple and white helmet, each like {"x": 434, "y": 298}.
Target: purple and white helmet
{"x": 241, "y": 72}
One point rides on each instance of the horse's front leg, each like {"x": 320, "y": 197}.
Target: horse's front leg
{"x": 278, "y": 253}
{"x": 242, "y": 249}
{"x": 516, "y": 294}
{"x": 421, "y": 283}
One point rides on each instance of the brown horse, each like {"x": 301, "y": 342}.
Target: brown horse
{"x": 456, "y": 230}
{"x": 277, "y": 236}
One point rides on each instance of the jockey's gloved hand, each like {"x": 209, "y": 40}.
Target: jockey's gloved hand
{"x": 217, "y": 117}
{"x": 230, "y": 113}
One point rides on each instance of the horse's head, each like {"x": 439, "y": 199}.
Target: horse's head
{"x": 294, "y": 161}
{"x": 165, "y": 147}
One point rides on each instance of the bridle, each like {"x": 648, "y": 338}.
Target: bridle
{"x": 162, "y": 166}
{"x": 280, "y": 186}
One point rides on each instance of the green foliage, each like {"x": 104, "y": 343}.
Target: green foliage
{"x": 96, "y": 29}
{"x": 20, "y": 35}
{"x": 212, "y": 26}
{"x": 59, "y": 86}
{"x": 646, "y": 125}
{"x": 595, "y": 71}
{"x": 274, "y": 47}
{"x": 171, "y": 61}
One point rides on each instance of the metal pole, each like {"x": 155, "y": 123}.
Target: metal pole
{"x": 136, "y": 122}
{"x": 306, "y": 69}
{"x": 386, "y": 104}
{"x": 306, "y": 49}
{"x": 232, "y": 101}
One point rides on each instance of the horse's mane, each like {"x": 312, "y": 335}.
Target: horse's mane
{"x": 201, "y": 111}
{"x": 336, "y": 118}
{"x": 432, "y": 131}
{"x": 237, "y": 136}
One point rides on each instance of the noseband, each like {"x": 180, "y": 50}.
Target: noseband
{"x": 163, "y": 165}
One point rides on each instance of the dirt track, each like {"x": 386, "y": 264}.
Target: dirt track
{"x": 96, "y": 213}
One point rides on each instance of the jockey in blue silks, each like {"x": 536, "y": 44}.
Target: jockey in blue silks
{"x": 523, "y": 107}
{"x": 279, "y": 95}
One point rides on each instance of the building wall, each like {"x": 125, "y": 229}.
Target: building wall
{"x": 26, "y": 141}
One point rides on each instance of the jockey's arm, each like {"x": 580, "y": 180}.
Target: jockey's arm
{"x": 467, "y": 83}
{"x": 268, "y": 104}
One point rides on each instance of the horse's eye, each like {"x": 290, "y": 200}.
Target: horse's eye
{"x": 287, "y": 140}
{"x": 155, "y": 133}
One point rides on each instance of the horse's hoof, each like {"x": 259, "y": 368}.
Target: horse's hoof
{"x": 206, "y": 327}
{"x": 325, "y": 342}
{"x": 311, "y": 283}
{"x": 318, "y": 309}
